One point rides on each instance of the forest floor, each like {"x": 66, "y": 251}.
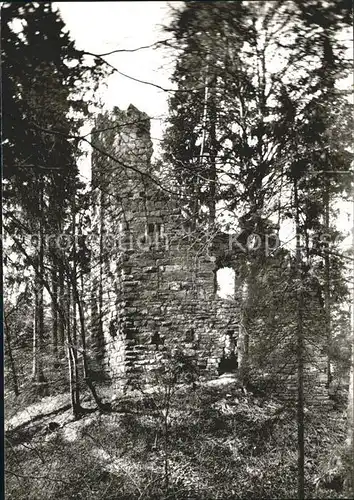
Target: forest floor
{"x": 217, "y": 442}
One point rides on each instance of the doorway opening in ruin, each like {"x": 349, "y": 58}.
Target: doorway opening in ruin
{"x": 225, "y": 283}
{"x": 228, "y": 362}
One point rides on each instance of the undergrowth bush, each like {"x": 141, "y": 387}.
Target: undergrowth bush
{"x": 222, "y": 444}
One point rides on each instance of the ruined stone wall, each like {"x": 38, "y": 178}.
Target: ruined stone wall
{"x": 153, "y": 277}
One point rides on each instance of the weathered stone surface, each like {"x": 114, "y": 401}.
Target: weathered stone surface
{"x": 159, "y": 281}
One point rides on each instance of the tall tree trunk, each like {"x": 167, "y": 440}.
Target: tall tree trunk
{"x": 213, "y": 154}
{"x": 72, "y": 384}
{"x": 96, "y": 292}
{"x": 73, "y": 358}
{"x": 243, "y": 340}
{"x": 54, "y": 310}
{"x": 64, "y": 315}
{"x": 87, "y": 374}
{"x": 327, "y": 287}
{"x": 350, "y": 412}
{"x": 197, "y": 180}
{"x": 11, "y": 358}
{"x": 35, "y": 332}
{"x": 102, "y": 250}
{"x": 74, "y": 274}
{"x": 248, "y": 299}
{"x": 299, "y": 356}
{"x": 61, "y": 302}
{"x": 38, "y": 329}
{"x": 73, "y": 362}
{"x": 75, "y": 400}
{"x": 37, "y": 365}
{"x": 242, "y": 352}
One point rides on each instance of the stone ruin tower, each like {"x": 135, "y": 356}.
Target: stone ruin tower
{"x": 153, "y": 278}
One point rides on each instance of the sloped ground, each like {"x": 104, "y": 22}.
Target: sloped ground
{"x": 46, "y": 406}
{"x": 222, "y": 443}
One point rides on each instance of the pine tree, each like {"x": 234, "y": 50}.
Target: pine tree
{"x": 46, "y": 89}
{"x": 273, "y": 125}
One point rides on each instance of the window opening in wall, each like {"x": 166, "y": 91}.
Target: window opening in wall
{"x": 228, "y": 362}
{"x": 155, "y": 232}
{"x": 225, "y": 283}
{"x": 151, "y": 229}
{"x": 157, "y": 340}
{"x": 155, "y": 228}
{"x": 190, "y": 335}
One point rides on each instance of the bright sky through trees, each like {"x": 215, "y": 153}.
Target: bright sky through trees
{"x": 101, "y": 27}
